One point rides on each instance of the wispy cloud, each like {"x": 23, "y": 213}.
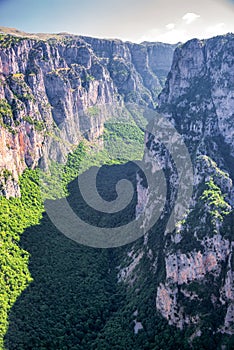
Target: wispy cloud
{"x": 170, "y": 26}
{"x": 190, "y": 17}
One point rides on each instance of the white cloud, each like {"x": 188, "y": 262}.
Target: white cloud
{"x": 181, "y": 30}
{"x": 190, "y": 17}
{"x": 170, "y": 26}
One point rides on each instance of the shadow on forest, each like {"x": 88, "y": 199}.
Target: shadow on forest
{"x": 74, "y": 290}
{"x": 75, "y": 302}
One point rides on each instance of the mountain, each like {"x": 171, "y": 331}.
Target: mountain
{"x": 64, "y": 87}
{"x": 194, "y": 262}
{"x": 172, "y": 288}
{"x": 202, "y": 112}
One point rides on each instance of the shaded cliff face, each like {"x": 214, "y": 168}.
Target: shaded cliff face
{"x": 199, "y": 100}
{"x": 193, "y": 265}
{"x": 199, "y": 94}
{"x": 55, "y": 91}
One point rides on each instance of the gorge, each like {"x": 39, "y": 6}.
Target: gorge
{"x": 61, "y": 94}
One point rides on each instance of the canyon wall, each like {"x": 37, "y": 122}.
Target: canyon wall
{"x": 193, "y": 265}
{"x": 55, "y": 91}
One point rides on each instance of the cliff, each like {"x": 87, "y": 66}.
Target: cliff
{"x": 192, "y": 266}
{"x": 56, "y": 89}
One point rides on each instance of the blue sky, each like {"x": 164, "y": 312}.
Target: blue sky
{"x": 135, "y": 20}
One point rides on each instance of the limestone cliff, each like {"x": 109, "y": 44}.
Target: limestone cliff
{"x": 193, "y": 265}
{"x": 56, "y": 89}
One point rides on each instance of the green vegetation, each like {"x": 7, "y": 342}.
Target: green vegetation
{"x": 19, "y": 87}
{"x": 15, "y": 215}
{"x": 25, "y": 97}
{"x": 39, "y": 125}
{"x": 127, "y": 132}
{"x": 89, "y": 77}
{"x": 18, "y": 76}
{"x": 7, "y": 41}
{"x": 6, "y": 174}
{"x": 213, "y": 197}
{"x": 6, "y": 116}
{"x": 54, "y": 182}
{"x": 59, "y": 71}
{"x": 210, "y": 209}
{"x": 119, "y": 70}
{"x": 122, "y": 143}
{"x": 75, "y": 302}
{"x": 5, "y": 109}
{"x": 93, "y": 111}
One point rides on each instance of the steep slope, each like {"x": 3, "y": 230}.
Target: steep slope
{"x": 192, "y": 267}
{"x": 199, "y": 98}
{"x": 56, "y": 89}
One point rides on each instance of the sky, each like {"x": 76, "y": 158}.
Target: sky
{"x": 168, "y": 21}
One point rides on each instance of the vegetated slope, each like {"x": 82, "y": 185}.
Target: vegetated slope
{"x": 18, "y": 214}
{"x": 75, "y": 300}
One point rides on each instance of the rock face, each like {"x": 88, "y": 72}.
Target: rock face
{"x": 195, "y": 261}
{"x": 199, "y": 100}
{"x": 55, "y": 91}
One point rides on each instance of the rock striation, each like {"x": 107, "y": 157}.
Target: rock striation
{"x": 193, "y": 265}
{"x": 199, "y": 100}
{"x": 56, "y": 90}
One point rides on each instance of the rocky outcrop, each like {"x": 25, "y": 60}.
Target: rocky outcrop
{"x": 198, "y": 99}
{"x": 199, "y": 95}
{"x": 55, "y": 91}
{"x": 193, "y": 262}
